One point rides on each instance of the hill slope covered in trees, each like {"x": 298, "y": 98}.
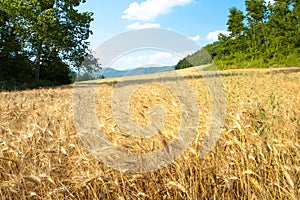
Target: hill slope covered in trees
{"x": 266, "y": 35}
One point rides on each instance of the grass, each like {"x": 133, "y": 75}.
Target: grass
{"x": 257, "y": 156}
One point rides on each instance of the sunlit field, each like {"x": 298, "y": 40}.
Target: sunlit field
{"x": 256, "y": 157}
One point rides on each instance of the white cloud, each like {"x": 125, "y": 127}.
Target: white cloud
{"x": 137, "y": 25}
{"x": 270, "y": 1}
{"x": 213, "y": 36}
{"x": 195, "y": 38}
{"x": 145, "y": 58}
{"x": 163, "y": 58}
{"x": 150, "y": 9}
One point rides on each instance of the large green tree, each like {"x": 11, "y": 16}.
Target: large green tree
{"x": 44, "y": 30}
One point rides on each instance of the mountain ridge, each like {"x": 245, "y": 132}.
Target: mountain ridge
{"x": 112, "y": 73}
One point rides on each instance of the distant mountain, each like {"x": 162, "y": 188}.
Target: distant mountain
{"x": 111, "y": 73}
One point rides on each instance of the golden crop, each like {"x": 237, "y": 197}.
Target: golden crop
{"x": 257, "y": 156}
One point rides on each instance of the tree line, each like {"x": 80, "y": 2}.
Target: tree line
{"x": 41, "y": 41}
{"x": 265, "y": 35}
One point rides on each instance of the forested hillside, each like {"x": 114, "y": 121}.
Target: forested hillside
{"x": 266, "y": 35}
{"x": 40, "y": 41}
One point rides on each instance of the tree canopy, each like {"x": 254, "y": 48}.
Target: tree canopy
{"x": 266, "y": 35}
{"x": 42, "y": 40}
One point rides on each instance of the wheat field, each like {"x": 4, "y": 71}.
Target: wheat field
{"x": 256, "y": 157}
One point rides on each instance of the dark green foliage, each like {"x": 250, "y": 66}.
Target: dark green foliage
{"x": 17, "y": 68}
{"x": 41, "y": 40}
{"x": 54, "y": 70}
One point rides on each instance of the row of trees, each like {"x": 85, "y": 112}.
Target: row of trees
{"x": 41, "y": 41}
{"x": 266, "y": 35}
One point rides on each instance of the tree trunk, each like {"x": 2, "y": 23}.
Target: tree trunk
{"x": 38, "y": 62}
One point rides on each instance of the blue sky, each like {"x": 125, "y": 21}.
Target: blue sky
{"x": 200, "y": 20}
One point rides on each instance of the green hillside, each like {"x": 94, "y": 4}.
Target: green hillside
{"x": 266, "y": 35}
